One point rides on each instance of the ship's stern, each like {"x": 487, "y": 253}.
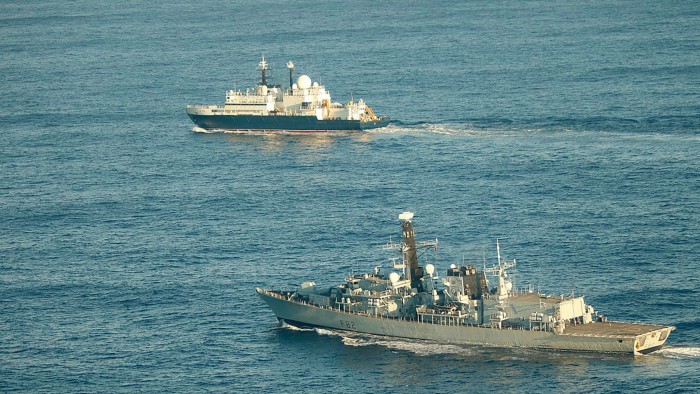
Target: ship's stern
{"x": 651, "y": 341}
{"x": 375, "y": 124}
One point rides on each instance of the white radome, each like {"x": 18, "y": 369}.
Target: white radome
{"x": 394, "y": 277}
{"x": 304, "y": 82}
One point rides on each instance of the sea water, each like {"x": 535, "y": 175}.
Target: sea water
{"x": 131, "y": 242}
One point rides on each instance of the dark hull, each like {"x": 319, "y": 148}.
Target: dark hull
{"x": 281, "y": 123}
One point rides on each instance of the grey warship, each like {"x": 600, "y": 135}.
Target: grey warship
{"x": 408, "y": 303}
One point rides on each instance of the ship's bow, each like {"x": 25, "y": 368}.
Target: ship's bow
{"x": 276, "y": 301}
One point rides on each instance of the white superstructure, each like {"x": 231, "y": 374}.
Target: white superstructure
{"x": 303, "y": 98}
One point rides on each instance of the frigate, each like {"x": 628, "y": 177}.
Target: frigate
{"x": 305, "y": 106}
{"x": 410, "y": 300}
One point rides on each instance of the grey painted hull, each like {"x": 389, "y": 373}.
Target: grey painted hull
{"x": 310, "y": 315}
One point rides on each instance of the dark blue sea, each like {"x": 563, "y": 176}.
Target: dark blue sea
{"x": 131, "y": 243}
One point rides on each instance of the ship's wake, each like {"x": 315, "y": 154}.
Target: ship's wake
{"x": 417, "y": 347}
{"x": 679, "y": 352}
{"x": 448, "y": 129}
{"x": 291, "y": 327}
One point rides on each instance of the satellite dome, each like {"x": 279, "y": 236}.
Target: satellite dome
{"x": 393, "y": 277}
{"x": 304, "y": 82}
{"x": 429, "y": 268}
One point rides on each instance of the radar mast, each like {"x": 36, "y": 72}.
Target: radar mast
{"x": 290, "y": 66}
{"x": 408, "y": 249}
{"x": 263, "y": 67}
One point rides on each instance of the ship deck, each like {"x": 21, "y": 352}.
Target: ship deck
{"x": 612, "y": 329}
{"x": 534, "y": 298}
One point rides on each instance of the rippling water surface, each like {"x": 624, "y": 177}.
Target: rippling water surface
{"x": 131, "y": 243}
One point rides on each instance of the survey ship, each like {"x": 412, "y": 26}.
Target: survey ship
{"x": 305, "y": 106}
{"x": 410, "y": 302}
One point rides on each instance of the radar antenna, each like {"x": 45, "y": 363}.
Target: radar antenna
{"x": 500, "y": 271}
{"x": 263, "y": 67}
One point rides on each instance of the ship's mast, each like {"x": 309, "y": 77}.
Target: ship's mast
{"x": 504, "y": 288}
{"x": 290, "y": 66}
{"x": 263, "y": 67}
{"x": 408, "y": 246}
{"x": 505, "y": 284}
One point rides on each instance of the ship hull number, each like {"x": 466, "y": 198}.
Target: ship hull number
{"x": 348, "y": 325}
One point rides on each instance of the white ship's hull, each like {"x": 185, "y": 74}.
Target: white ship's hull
{"x": 646, "y": 339}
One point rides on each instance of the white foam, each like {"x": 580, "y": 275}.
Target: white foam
{"x": 679, "y": 352}
{"x": 325, "y": 331}
{"x": 418, "y": 347}
{"x": 444, "y": 129}
{"x": 395, "y": 129}
{"x": 288, "y": 326}
{"x": 437, "y": 128}
{"x": 425, "y": 348}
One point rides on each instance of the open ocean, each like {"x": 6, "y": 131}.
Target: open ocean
{"x": 131, "y": 244}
